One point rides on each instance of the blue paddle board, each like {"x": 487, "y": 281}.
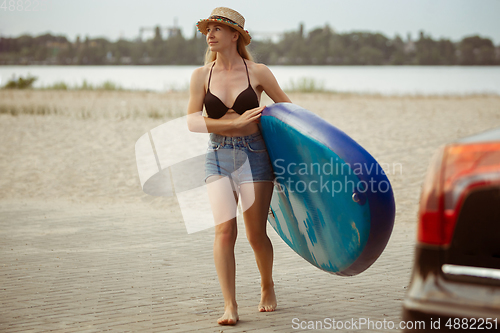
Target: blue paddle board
{"x": 332, "y": 203}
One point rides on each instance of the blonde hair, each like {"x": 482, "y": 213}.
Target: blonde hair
{"x": 240, "y": 47}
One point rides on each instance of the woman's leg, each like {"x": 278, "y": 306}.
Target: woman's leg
{"x": 224, "y": 203}
{"x": 255, "y": 207}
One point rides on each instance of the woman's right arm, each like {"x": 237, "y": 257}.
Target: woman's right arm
{"x": 198, "y": 123}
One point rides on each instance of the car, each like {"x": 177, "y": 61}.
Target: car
{"x": 455, "y": 281}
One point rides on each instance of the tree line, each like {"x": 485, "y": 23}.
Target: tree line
{"x": 321, "y": 46}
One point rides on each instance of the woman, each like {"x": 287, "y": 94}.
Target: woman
{"x": 237, "y": 162}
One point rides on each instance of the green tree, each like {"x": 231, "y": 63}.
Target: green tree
{"x": 398, "y": 57}
{"x": 476, "y": 50}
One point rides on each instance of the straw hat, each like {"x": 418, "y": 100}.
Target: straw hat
{"x": 228, "y": 17}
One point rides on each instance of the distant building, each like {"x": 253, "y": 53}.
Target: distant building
{"x": 409, "y": 46}
{"x": 171, "y": 31}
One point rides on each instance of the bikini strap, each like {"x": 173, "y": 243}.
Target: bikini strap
{"x": 210, "y": 77}
{"x": 248, "y": 76}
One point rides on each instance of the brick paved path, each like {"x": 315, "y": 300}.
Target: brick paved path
{"x": 68, "y": 268}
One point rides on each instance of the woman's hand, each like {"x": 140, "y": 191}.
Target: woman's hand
{"x": 252, "y": 115}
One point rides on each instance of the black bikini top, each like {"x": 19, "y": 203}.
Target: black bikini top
{"x": 246, "y": 100}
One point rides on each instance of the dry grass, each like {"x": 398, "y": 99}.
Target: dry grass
{"x": 94, "y": 104}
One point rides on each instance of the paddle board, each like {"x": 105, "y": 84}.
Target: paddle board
{"x": 332, "y": 203}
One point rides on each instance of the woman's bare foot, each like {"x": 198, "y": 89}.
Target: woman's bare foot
{"x": 230, "y": 316}
{"x": 267, "y": 299}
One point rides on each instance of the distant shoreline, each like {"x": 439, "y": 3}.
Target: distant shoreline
{"x": 321, "y": 46}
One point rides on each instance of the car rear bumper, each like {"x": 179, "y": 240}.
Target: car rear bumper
{"x": 434, "y": 298}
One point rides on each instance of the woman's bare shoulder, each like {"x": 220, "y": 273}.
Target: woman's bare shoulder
{"x": 200, "y": 75}
{"x": 201, "y": 71}
{"x": 260, "y": 70}
{"x": 256, "y": 66}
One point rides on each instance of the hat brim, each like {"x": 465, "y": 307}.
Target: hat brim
{"x": 203, "y": 25}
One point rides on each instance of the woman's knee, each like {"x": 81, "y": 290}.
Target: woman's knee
{"x": 226, "y": 233}
{"x": 258, "y": 240}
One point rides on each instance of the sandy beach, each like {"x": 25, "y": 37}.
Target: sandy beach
{"x": 78, "y": 146}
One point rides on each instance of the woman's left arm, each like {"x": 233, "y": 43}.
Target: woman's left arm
{"x": 270, "y": 85}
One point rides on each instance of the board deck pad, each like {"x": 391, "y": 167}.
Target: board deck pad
{"x": 332, "y": 203}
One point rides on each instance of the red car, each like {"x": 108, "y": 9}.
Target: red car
{"x": 455, "y": 283}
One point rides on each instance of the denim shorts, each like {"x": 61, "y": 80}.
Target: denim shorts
{"x": 243, "y": 159}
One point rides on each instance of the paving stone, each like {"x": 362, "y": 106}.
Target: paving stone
{"x": 81, "y": 269}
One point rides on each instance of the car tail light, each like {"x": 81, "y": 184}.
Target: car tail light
{"x": 429, "y": 230}
{"x": 455, "y": 171}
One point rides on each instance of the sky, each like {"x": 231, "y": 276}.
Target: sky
{"x": 112, "y": 19}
